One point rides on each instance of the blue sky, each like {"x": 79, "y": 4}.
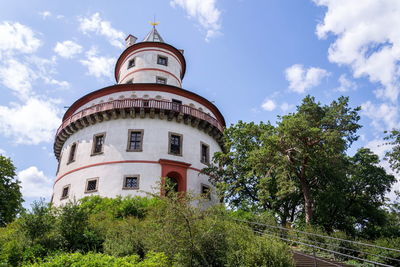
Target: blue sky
{"x": 254, "y": 59}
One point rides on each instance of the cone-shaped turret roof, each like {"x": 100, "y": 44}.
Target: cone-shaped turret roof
{"x": 153, "y": 36}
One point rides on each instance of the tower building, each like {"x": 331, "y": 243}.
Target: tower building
{"x": 122, "y": 139}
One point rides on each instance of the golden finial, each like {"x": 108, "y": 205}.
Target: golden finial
{"x": 154, "y": 23}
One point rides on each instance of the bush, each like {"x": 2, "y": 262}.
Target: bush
{"x": 102, "y": 260}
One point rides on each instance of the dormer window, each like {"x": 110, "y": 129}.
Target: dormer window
{"x": 131, "y": 63}
{"x": 162, "y": 60}
{"x": 161, "y": 80}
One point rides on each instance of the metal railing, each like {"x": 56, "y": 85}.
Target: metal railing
{"x": 141, "y": 103}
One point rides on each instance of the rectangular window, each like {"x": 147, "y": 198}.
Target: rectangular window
{"x": 72, "y": 151}
{"x": 129, "y": 81}
{"x": 175, "y": 144}
{"x": 131, "y": 63}
{"x": 91, "y": 185}
{"x": 131, "y": 182}
{"x": 161, "y": 80}
{"x": 65, "y": 192}
{"x": 162, "y": 60}
{"x": 204, "y": 153}
{"x": 206, "y": 191}
{"x": 98, "y": 142}
{"x": 135, "y": 140}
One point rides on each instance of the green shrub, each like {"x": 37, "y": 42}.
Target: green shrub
{"x": 102, "y": 260}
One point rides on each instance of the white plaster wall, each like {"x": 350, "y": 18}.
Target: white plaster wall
{"x": 148, "y": 59}
{"x": 155, "y": 147}
{"x": 147, "y": 94}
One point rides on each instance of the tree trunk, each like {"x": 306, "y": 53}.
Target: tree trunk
{"x": 308, "y": 208}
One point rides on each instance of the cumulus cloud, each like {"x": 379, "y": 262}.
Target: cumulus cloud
{"x": 286, "y": 106}
{"x": 17, "y": 77}
{"x": 301, "y": 79}
{"x": 102, "y": 27}
{"x": 16, "y": 37}
{"x": 367, "y": 40}
{"x": 34, "y": 183}
{"x": 205, "y": 12}
{"x": 33, "y": 122}
{"x": 67, "y": 49}
{"x": 345, "y": 84}
{"x": 268, "y": 105}
{"x": 98, "y": 66}
{"x": 383, "y": 116}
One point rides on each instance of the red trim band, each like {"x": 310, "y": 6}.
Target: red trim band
{"x": 153, "y": 69}
{"x": 161, "y": 161}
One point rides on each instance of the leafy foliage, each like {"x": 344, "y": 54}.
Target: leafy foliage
{"x": 10, "y": 195}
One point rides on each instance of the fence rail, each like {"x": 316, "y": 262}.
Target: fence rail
{"x": 141, "y": 103}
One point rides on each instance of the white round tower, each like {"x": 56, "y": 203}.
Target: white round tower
{"x": 122, "y": 139}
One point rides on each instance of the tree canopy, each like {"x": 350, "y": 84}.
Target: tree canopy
{"x": 10, "y": 195}
{"x": 299, "y": 169}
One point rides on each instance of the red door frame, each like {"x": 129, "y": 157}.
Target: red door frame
{"x": 168, "y": 166}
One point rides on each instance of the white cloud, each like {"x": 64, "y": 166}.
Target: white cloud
{"x": 205, "y": 12}
{"x": 18, "y": 77}
{"x": 367, "y": 40}
{"x": 102, "y": 27}
{"x": 34, "y": 184}
{"x": 383, "y": 116}
{"x": 268, "y": 105}
{"x": 301, "y": 79}
{"x": 345, "y": 84}
{"x": 45, "y": 14}
{"x": 67, "y": 49}
{"x": 32, "y": 122}
{"x": 16, "y": 37}
{"x": 98, "y": 66}
{"x": 3, "y": 152}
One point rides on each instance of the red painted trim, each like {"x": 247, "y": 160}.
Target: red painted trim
{"x": 104, "y": 163}
{"x": 178, "y": 167}
{"x": 162, "y": 162}
{"x": 145, "y": 50}
{"x": 140, "y": 45}
{"x": 154, "y": 69}
{"x": 143, "y": 87}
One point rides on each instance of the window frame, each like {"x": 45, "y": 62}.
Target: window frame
{"x": 128, "y": 147}
{"x": 129, "y": 63}
{"x": 70, "y": 160}
{"x": 161, "y": 78}
{"x": 137, "y": 176}
{"x": 207, "y": 161}
{"x": 62, "y": 191}
{"x": 205, "y": 195}
{"x": 160, "y": 58}
{"x": 87, "y": 183}
{"x": 170, "y": 134}
{"x": 94, "y": 144}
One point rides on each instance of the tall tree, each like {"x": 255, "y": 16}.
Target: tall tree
{"x": 10, "y": 195}
{"x": 394, "y": 154}
{"x": 309, "y": 144}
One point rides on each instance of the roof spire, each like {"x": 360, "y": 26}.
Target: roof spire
{"x": 153, "y": 35}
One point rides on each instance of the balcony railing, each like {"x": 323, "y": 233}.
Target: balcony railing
{"x": 147, "y": 104}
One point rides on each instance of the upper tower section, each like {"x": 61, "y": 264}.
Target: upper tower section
{"x": 150, "y": 61}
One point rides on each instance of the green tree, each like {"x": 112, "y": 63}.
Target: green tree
{"x": 10, "y": 194}
{"x": 394, "y": 154}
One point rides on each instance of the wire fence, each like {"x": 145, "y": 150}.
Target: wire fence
{"x": 323, "y": 245}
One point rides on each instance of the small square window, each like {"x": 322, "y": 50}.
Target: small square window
{"x": 72, "y": 151}
{"x": 135, "y": 140}
{"x": 131, "y": 182}
{"x": 175, "y": 144}
{"x": 162, "y": 60}
{"x": 98, "y": 142}
{"x": 131, "y": 63}
{"x": 65, "y": 192}
{"x": 161, "y": 80}
{"x": 204, "y": 153}
{"x": 206, "y": 191}
{"x": 129, "y": 81}
{"x": 91, "y": 185}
